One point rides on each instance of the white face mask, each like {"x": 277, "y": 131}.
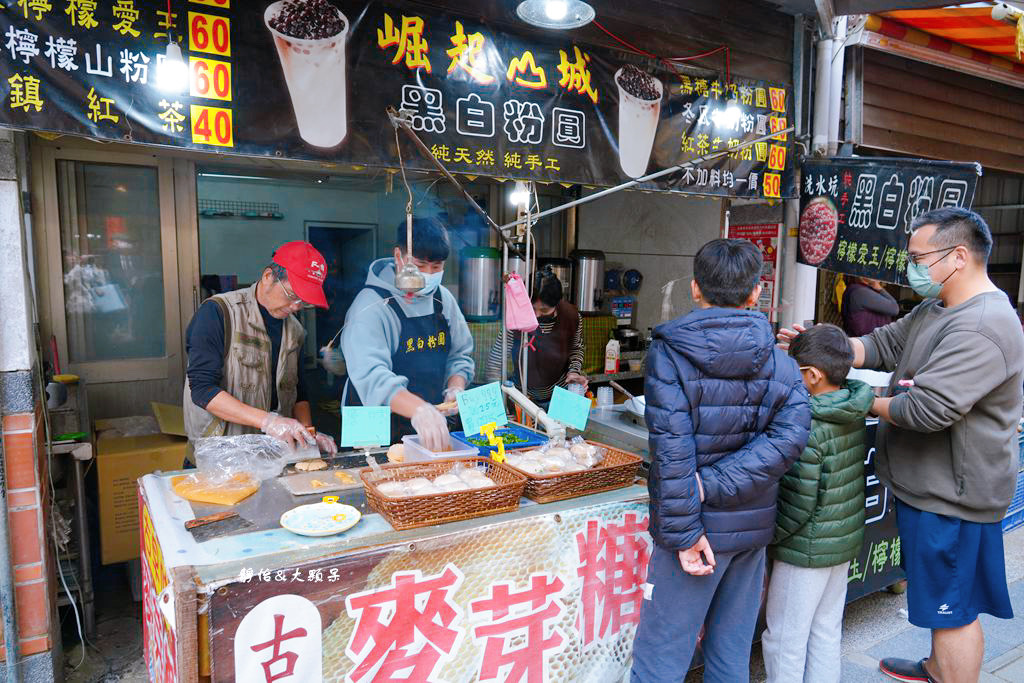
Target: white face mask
{"x": 433, "y": 282}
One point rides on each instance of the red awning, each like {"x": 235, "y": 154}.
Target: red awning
{"x": 972, "y": 26}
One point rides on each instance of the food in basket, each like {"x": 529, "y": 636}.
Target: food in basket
{"x": 393, "y": 489}
{"x": 396, "y": 453}
{"x": 458, "y": 478}
{"x": 446, "y": 479}
{"x": 311, "y": 465}
{"x": 558, "y": 459}
{"x": 198, "y": 488}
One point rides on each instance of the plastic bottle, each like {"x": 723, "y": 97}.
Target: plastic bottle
{"x": 611, "y": 357}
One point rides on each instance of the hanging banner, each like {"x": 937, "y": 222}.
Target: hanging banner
{"x": 314, "y": 81}
{"x": 765, "y": 237}
{"x": 855, "y": 214}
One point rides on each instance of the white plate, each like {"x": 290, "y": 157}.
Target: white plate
{"x": 320, "y": 519}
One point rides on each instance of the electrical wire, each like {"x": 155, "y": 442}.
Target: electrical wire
{"x": 670, "y": 61}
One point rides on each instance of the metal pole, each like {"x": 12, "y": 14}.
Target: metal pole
{"x": 653, "y": 176}
{"x": 398, "y": 121}
{"x": 835, "y": 85}
{"x": 503, "y": 331}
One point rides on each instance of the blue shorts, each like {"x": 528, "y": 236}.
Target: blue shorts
{"x": 955, "y": 569}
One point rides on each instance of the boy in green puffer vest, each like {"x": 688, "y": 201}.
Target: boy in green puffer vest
{"x": 820, "y": 519}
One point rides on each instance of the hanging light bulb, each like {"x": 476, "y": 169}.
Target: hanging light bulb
{"x": 172, "y": 74}
{"x": 520, "y": 194}
{"x": 556, "y": 14}
{"x": 728, "y": 117}
{"x": 556, "y": 9}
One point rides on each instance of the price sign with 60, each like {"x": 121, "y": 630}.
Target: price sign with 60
{"x": 209, "y": 33}
{"x": 211, "y": 78}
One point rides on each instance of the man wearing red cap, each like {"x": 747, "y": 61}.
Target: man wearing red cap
{"x": 243, "y": 354}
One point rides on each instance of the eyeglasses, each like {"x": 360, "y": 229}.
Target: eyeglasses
{"x": 916, "y": 258}
{"x": 289, "y": 293}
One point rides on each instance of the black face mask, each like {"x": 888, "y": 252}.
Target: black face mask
{"x": 546, "y": 318}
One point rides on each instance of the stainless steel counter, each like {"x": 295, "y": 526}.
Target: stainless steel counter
{"x": 620, "y": 428}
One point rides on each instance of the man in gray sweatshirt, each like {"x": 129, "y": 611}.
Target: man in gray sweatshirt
{"x": 946, "y": 439}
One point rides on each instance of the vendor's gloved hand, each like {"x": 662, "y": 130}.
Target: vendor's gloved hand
{"x": 325, "y": 442}
{"x": 286, "y": 429}
{"x": 431, "y": 427}
{"x": 577, "y": 378}
{"x": 451, "y": 393}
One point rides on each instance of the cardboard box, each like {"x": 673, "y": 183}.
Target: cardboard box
{"x": 120, "y": 462}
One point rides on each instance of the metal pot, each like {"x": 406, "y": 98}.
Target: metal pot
{"x": 588, "y": 280}
{"x": 479, "y": 283}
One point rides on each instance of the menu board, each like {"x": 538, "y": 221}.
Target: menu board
{"x": 315, "y": 83}
{"x": 856, "y": 213}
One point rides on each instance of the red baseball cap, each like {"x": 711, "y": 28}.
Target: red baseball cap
{"x": 307, "y": 271}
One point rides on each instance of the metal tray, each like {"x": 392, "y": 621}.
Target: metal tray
{"x": 301, "y": 484}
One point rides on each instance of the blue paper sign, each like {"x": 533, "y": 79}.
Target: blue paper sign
{"x": 365, "y": 426}
{"x": 569, "y": 408}
{"x": 481, "y": 406}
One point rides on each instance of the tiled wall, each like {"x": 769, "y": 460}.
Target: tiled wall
{"x": 27, "y": 501}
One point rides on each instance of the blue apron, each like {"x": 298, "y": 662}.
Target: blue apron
{"x": 422, "y": 357}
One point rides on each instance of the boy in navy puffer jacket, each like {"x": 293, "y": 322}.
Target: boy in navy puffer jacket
{"x": 728, "y": 414}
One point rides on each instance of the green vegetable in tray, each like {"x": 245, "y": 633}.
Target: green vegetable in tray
{"x": 509, "y": 438}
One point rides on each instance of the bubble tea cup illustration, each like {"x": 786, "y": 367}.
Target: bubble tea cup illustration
{"x": 639, "y": 112}
{"x": 310, "y": 39}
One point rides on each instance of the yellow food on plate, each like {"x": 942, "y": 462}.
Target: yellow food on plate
{"x": 344, "y": 477}
{"x": 317, "y": 484}
{"x": 396, "y": 453}
{"x": 310, "y": 465}
{"x": 193, "y": 487}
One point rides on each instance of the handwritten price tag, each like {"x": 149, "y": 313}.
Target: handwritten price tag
{"x": 569, "y": 408}
{"x": 480, "y": 406}
{"x": 365, "y": 426}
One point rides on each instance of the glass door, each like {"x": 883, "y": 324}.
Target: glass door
{"x": 112, "y": 269}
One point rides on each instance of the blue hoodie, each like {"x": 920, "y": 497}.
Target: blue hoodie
{"x": 371, "y": 336}
{"x": 724, "y": 402}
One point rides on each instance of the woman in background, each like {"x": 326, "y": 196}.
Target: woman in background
{"x": 866, "y": 305}
{"x": 556, "y": 346}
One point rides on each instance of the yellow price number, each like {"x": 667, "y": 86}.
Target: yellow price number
{"x": 212, "y": 126}
{"x": 771, "y": 185}
{"x": 209, "y": 33}
{"x": 210, "y": 78}
{"x": 223, "y": 4}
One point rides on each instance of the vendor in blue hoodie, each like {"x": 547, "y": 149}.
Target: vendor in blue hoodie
{"x": 410, "y": 352}
{"x": 728, "y": 414}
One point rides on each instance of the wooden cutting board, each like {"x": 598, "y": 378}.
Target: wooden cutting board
{"x": 301, "y": 484}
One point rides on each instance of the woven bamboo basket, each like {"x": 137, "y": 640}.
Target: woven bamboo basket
{"x": 440, "y": 508}
{"x": 618, "y": 470}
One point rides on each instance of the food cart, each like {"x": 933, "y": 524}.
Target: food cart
{"x": 550, "y": 590}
